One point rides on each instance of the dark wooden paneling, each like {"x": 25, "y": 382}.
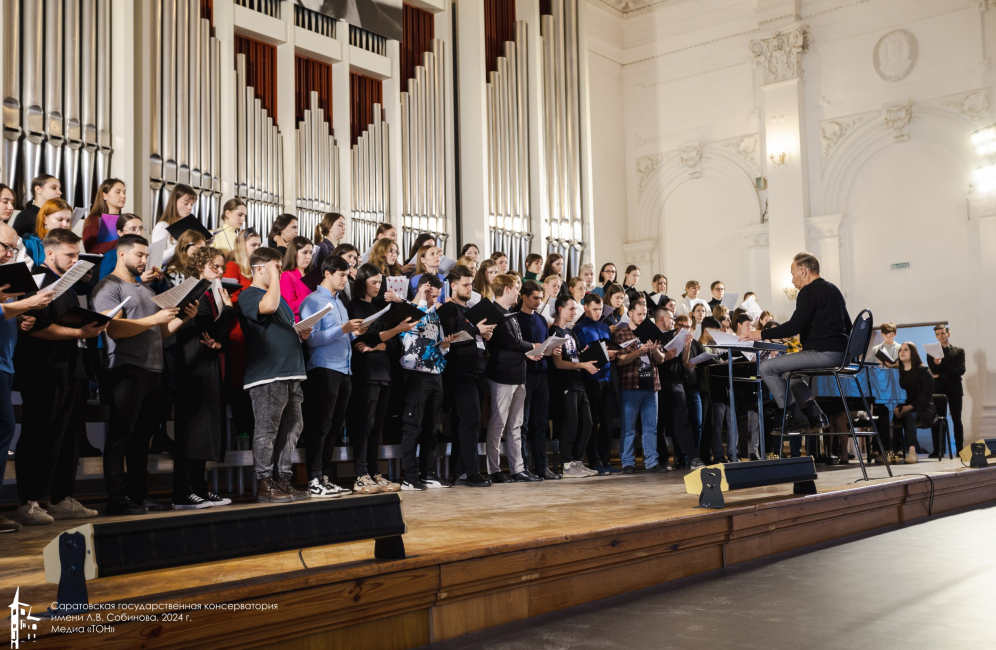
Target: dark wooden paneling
{"x": 420, "y": 29}
{"x": 311, "y": 75}
{"x": 499, "y": 26}
{"x": 261, "y": 70}
{"x": 364, "y": 92}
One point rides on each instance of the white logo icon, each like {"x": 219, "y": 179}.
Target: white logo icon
{"x": 23, "y": 625}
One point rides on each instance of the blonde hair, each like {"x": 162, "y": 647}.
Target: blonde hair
{"x": 422, "y": 252}
{"x": 240, "y": 252}
{"x": 691, "y": 284}
{"x": 378, "y": 257}
{"x": 481, "y": 284}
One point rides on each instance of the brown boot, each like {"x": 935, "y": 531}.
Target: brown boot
{"x": 268, "y": 491}
{"x": 288, "y": 488}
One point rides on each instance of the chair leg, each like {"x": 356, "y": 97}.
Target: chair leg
{"x": 878, "y": 437}
{"x": 850, "y": 424}
{"x": 781, "y": 437}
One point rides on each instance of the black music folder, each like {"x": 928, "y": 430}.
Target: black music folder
{"x": 189, "y": 223}
{"x": 487, "y": 311}
{"x": 647, "y": 331}
{"x": 596, "y": 352}
{"x": 18, "y": 277}
{"x": 80, "y": 316}
{"x": 884, "y": 357}
{"x": 312, "y": 278}
{"x": 399, "y": 312}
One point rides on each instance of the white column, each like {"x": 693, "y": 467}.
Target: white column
{"x": 780, "y": 58}
{"x": 286, "y": 118}
{"x": 824, "y": 243}
{"x": 340, "y": 124}
{"x": 983, "y": 212}
{"x": 224, "y": 29}
{"x": 472, "y": 123}
{"x": 756, "y": 260}
{"x": 392, "y": 114}
{"x": 529, "y": 11}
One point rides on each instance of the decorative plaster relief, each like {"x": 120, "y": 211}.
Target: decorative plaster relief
{"x": 897, "y": 119}
{"x": 748, "y": 148}
{"x": 832, "y": 131}
{"x": 646, "y": 165}
{"x": 974, "y": 105}
{"x": 640, "y": 252}
{"x": 780, "y": 56}
{"x": 691, "y": 158}
{"x": 895, "y": 55}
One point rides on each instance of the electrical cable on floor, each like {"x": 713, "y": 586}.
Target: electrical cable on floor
{"x": 300, "y": 554}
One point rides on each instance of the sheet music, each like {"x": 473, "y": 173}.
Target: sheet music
{"x": 730, "y": 300}
{"x": 654, "y": 297}
{"x": 547, "y": 347}
{"x": 216, "y": 290}
{"x": 935, "y": 350}
{"x": 474, "y": 299}
{"x": 462, "y": 336}
{"x": 628, "y": 343}
{"x": 78, "y": 213}
{"x": 752, "y": 308}
{"x": 624, "y": 320}
{"x": 728, "y": 340}
{"x": 71, "y": 277}
{"x": 38, "y": 279}
{"x": 446, "y": 264}
{"x": 705, "y": 356}
{"x": 310, "y": 321}
{"x": 396, "y": 283}
{"x": 113, "y": 311}
{"x": 175, "y": 296}
{"x": 373, "y": 317}
{"x": 156, "y": 251}
{"x": 679, "y": 341}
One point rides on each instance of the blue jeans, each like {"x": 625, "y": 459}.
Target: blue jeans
{"x": 6, "y": 419}
{"x": 643, "y": 402}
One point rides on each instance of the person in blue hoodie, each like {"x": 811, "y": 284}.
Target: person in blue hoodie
{"x": 601, "y": 390}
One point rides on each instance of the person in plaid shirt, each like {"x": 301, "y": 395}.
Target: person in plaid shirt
{"x": 638, "y": 386}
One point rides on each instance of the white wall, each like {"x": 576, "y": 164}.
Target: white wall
{"x": 876, "y": 192}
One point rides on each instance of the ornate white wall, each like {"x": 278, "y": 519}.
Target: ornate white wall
{"x": 871, "y": 101}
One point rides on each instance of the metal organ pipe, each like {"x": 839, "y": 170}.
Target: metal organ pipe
{"x": 317, "y": 172}
{"x": 371, "y": 165}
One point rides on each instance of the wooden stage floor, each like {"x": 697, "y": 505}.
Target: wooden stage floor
{"x": 484, "y": 557}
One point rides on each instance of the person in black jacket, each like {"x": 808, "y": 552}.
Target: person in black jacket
{"x": 506, "y": 371}
{"x": 674, "y": 376}
{"x": 823, "y": 326}
{"x": 918, "y": 410}
{"x": 371, "y": 381}
{"x": 463, "y": 378}
{"x": 947, "y": 372}
{"x": 200, "y": 406}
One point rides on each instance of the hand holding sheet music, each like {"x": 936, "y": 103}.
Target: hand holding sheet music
{"x": 309, "y": 322}
{"x": 705, "y": 356}
{"x": 156, "y": 251}
{"x": 935, "y": 350}
{"x": 71, "y": 277}
{"x": 370, "y": 319}
{"x": 182, "y": 294}
{"x": 679, "y": 341}
{"x": 547, "y": 347}
{"x": 461, "y": 336}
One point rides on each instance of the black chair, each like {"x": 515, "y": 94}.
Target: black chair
{"x": 849, "y": 368}
{"x": 941, "y": 422}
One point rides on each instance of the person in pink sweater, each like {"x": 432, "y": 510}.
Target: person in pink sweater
{"x": 297, "y": 264}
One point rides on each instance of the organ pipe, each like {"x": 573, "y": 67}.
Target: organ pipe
{"x": 259, "y": 153}
{"x": 423, "y": 173}
{"x": 370, "y": 184}
{"x": 317, "y": 167}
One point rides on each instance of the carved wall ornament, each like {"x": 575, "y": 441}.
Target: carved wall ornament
{"x": 897, "y": 119}
{"x": 691, "y": 157}
{"x": 895, "y": 55}
{"x": 748, "y": 148}
{"x": 646, "y": 165}
{"x": 974, "y": 105}
{"x": 832, "y": 131}
{"x": 780, "y": 56}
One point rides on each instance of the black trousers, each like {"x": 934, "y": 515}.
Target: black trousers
{"x": 954, "y": 405}
{"x": 664, "y": 426}
{"x": 188, "y": 477}
{"x": 572, "y": 418}
{"x": 47, "y": 451}
{"x": 135, "y": 401}
{"x": 420, "y": 418}
{"x": 673, "y": 395}
{"x": 326, "y": 396}
{"x": 464, "y": 392}
{"x": 603, "y": 401}
{"x": 536, "y": 422}
{"x": 367, "y": 412}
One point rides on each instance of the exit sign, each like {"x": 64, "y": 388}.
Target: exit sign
{"x": 901, "y": 265}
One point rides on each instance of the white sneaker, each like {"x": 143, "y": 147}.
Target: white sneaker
{"x": 70, "y": 508}
{"x": 32, "y": 514}
{"x": 576, "y": 470}
{"x": 318, "y": 490}
{"x": 386, "y": 485}
{"x": 366, "y": 485}
{"x": 591, "y": 472}
{"x": 335, "y": 489}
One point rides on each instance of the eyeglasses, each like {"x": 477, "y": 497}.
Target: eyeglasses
{"x": 9, "y": 249}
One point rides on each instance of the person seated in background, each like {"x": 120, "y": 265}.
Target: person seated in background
{"x": 534, "y": 266}
{"x": 888, "y": 345}
{"x": 718, "y": 290}
{"x": 764, "y": 320}
{"x": 918, "y": 410}
{"x": 692, "y": 288}
{"x": 722, "y": 316}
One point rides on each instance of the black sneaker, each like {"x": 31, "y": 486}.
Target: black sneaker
{"x": 413, "y": 484}
{"x": 125, "y": 507}
{"x": 215, "y": 499}
{"x": 432, "y": 482}
{"x": 460, "y": 480}
{"x": 754, "y": 456}
{"x": 476, "y": 480}
{"x": 498, "y": 477}
{"x": 190, "y": 502}
{"x": 659, "y": 468}
{"x": 629, "y": 469}
{"x": 155, "y": 506}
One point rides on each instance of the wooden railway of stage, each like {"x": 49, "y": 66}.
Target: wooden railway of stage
{"x": 480, "y": 558}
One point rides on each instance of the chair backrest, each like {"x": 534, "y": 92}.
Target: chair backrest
{"x": 857, "y": 342}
